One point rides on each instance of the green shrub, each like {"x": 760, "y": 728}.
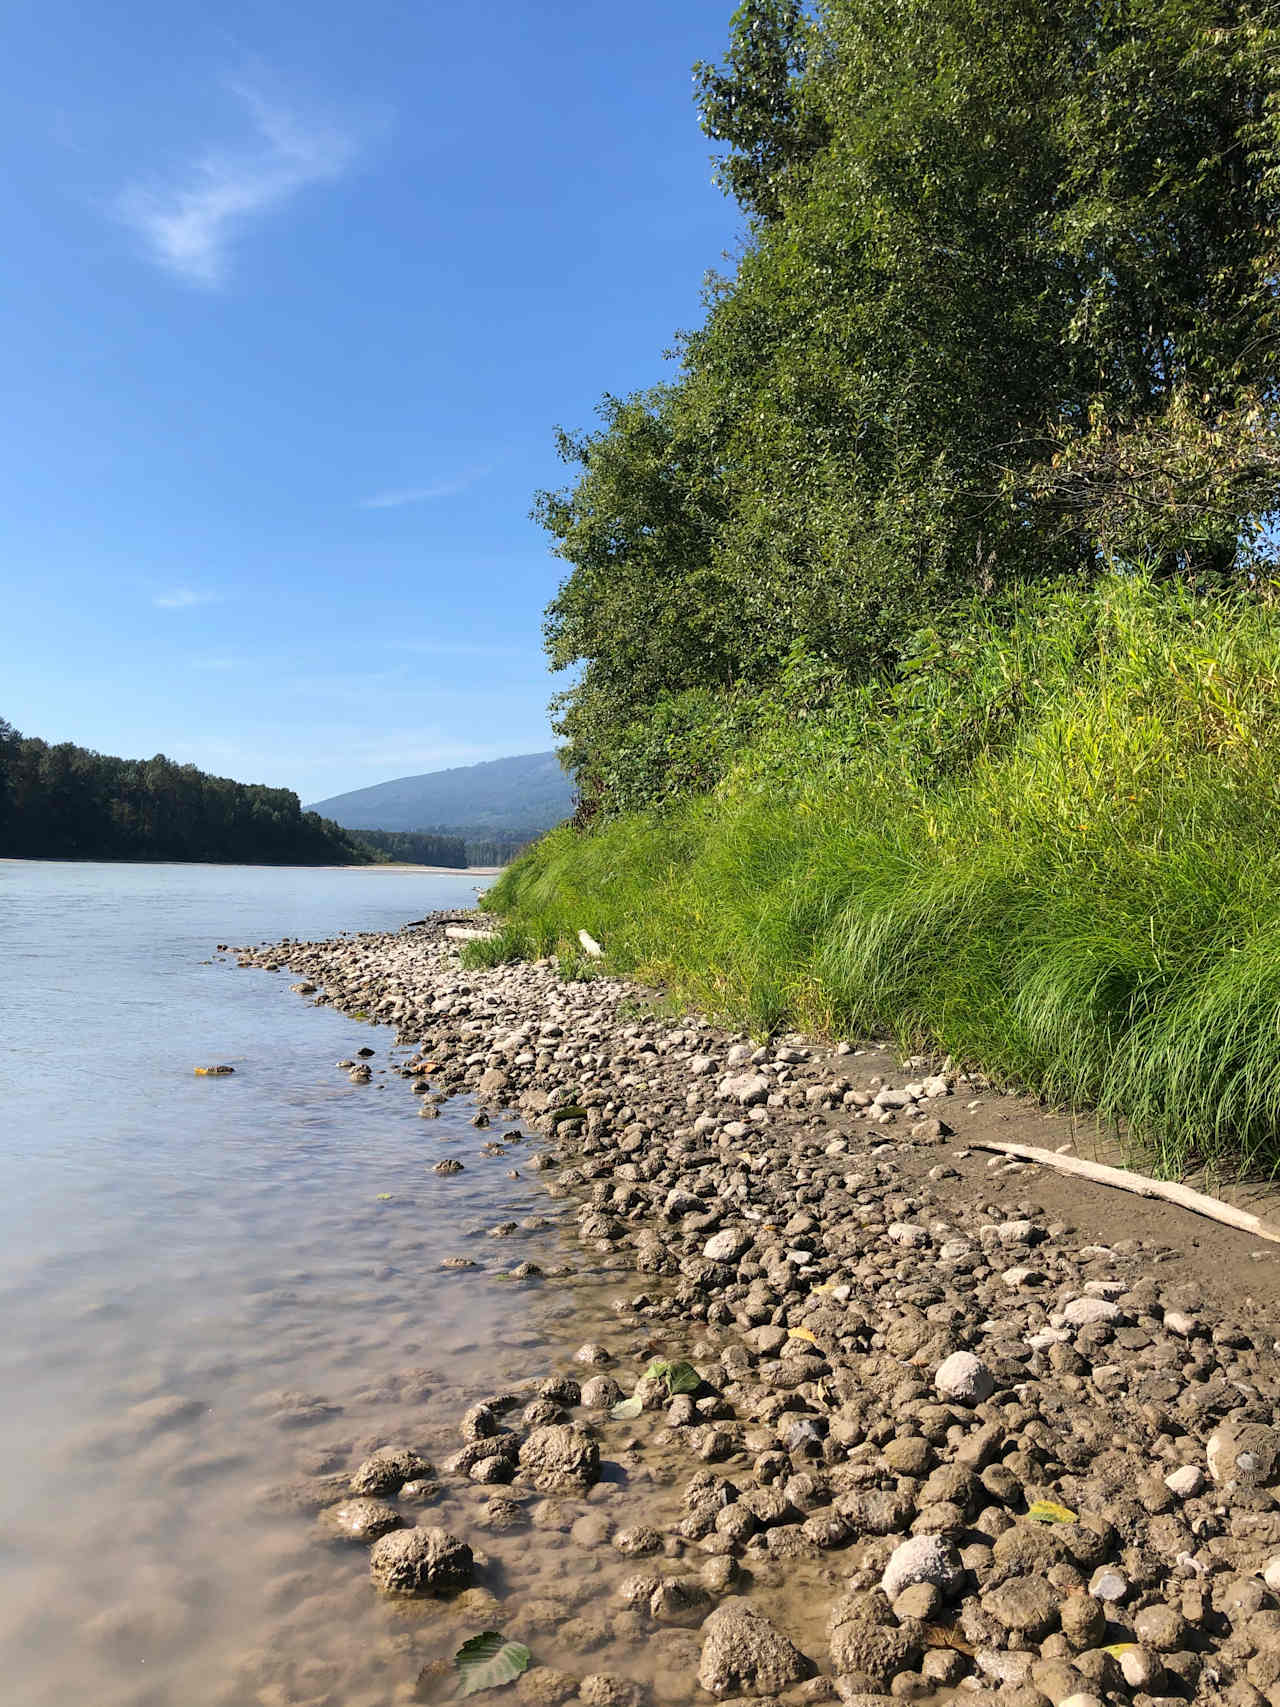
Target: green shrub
{"x": 1049, "y": 845}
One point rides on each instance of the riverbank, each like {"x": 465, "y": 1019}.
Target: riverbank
{"x": 905, "y": 1347}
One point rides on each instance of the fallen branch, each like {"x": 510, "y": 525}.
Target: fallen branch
{"x": 1139, "y": 1184}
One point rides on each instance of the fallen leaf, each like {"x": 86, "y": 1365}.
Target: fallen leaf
{"x": 802, "y": 1334}
{"x": 1049, "y": 1511}
{"x": 490, "y": 1660}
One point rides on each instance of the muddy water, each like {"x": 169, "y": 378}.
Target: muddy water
{"x": 211, "y": 1286}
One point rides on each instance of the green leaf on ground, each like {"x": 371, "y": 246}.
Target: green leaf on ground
{"x": 627, "y": 1409}
{"x": 489, "y": 1660}
{"x": 572, "y": 1112}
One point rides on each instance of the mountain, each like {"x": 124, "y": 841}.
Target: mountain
{"x": 518, "y": 797}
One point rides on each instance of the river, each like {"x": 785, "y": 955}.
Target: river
{"x": 189, "y": 1266}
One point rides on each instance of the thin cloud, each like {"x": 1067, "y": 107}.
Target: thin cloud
{"x": 420, "y": 494}
{"x": 183, "y": 598}
{"x": 190, "y": 220}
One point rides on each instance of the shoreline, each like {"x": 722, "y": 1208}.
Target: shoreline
{"x": 903, "y": 1344}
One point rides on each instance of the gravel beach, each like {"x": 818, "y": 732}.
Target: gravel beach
{"x": 960, "y": 1427}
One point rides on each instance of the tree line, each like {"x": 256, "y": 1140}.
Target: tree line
{"x": 67, "y": 802}
{"x": 1005, "y": 313}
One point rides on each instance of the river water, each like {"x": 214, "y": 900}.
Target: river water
{"x": 193, "y": 1268}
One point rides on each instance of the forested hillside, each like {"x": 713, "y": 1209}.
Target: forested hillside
{"x": 923, "y": 626}
{"x": 504, "y": 800}
{"x": 66, "y": 802}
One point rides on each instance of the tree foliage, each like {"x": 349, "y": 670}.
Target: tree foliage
{"x": 1007, "y": 314}
{"x": 67, "y": 802}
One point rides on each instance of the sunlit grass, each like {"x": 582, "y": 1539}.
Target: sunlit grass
{"x": 1052, "y": 851}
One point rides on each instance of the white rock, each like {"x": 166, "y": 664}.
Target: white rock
{"x": 1186, "y": 1482}
{"x": 1104, "y": 1288}
{"x": 1016, "y": 1277}
{"x": 922, "y": 1559}
{"x": 904, "y": 1233}
{"x": 1087, "y": 1312}
{"x": 964, "y": 1377}
{"x": 739, "y": 1053}
{"x": 1015, "y": 1232}
{"x": 1081, "y": 1698}
{"x": 724, "y": 1246}
{"x": 1108, "y": 1584}
{"x": 954, "y": 1249}
{"x": 702, "y": 1064}
{"x": 1178, "y": 1322}
{"x": 1271, "y": 1576}
{"x": 1138, "y": 1667}
{"x": 937, "y": 1086}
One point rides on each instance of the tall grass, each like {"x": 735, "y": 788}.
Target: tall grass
{"x": 1051, "y": 848}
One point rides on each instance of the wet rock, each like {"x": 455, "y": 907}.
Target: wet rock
{"x": 601, "y": 1392}
{"x": 420, "y": 1492}
{"x": 560, "y": 1458}
{"x": 359, "y": 1520}
{"x": 543, "y": 1686}
{"x": 637, "y": 1542}
{"x": 417, "y": 1562}
{"x": 600, "y": 1689}
{"x": 679, "y": 1600}
{"x": 387, "y": 1470}
{"x": 743, "y": 1653}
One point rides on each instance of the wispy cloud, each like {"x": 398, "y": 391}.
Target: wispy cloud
{"x": 190, "y": 218}
{"x": 182, "y": 598}
{"x": 446, "y": 488}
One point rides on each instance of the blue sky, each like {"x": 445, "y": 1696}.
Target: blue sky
{"x": 292, "y": 299}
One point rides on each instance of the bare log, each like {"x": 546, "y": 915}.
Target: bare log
{"x": 1139, "y": 1184}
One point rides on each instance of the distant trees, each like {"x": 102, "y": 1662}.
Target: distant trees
{"x": 67, "y": 802}
{"x": 418, "y": 847}
{"x": 1009, "y": 311}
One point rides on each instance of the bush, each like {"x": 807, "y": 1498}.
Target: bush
{"x": 1048, "y": 845}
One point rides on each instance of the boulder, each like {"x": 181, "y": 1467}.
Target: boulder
{"x": 744, "y": 1654}
{"x": 416, "y": 1562}
{"x": 560, "y": 1459}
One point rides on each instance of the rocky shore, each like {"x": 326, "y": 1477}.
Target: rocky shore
{"x": 957, "y": 1428}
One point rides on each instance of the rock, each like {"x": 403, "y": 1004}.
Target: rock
{"x": 1090, "y": 1312}
{"x": 1161, "y": 1628}
{"x": 743, "y": 1653}
{"x": 1084, "y": 1620}
{"x": 1186, "y": 1482}
{"x": 389, "y": 1468}
{"x": 1243, "y": 1452}
{"x": 543, "y": 1686}
{"x": 1027, "y": 1605}
{"x": 359, "y": 1520}
{"x": 865, "y": 1639}
{"x": 923, "y": 1559}
{"x": 560, "y": 1459}
{"x": 416, "y": 1562}
{"x": 600, "y": 1392}
{"x": 600, "y": 1689}
{"x": 745, "y": 1088}
{"x": 725, "y": 1246}
{"x": 964, "y": 1378}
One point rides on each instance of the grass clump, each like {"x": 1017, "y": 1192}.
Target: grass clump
{"x": 1049, "y": 847}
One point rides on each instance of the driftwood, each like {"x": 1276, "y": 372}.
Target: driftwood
{"x": 1139, "y": 1184}
{"x": 467, "y": 933}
